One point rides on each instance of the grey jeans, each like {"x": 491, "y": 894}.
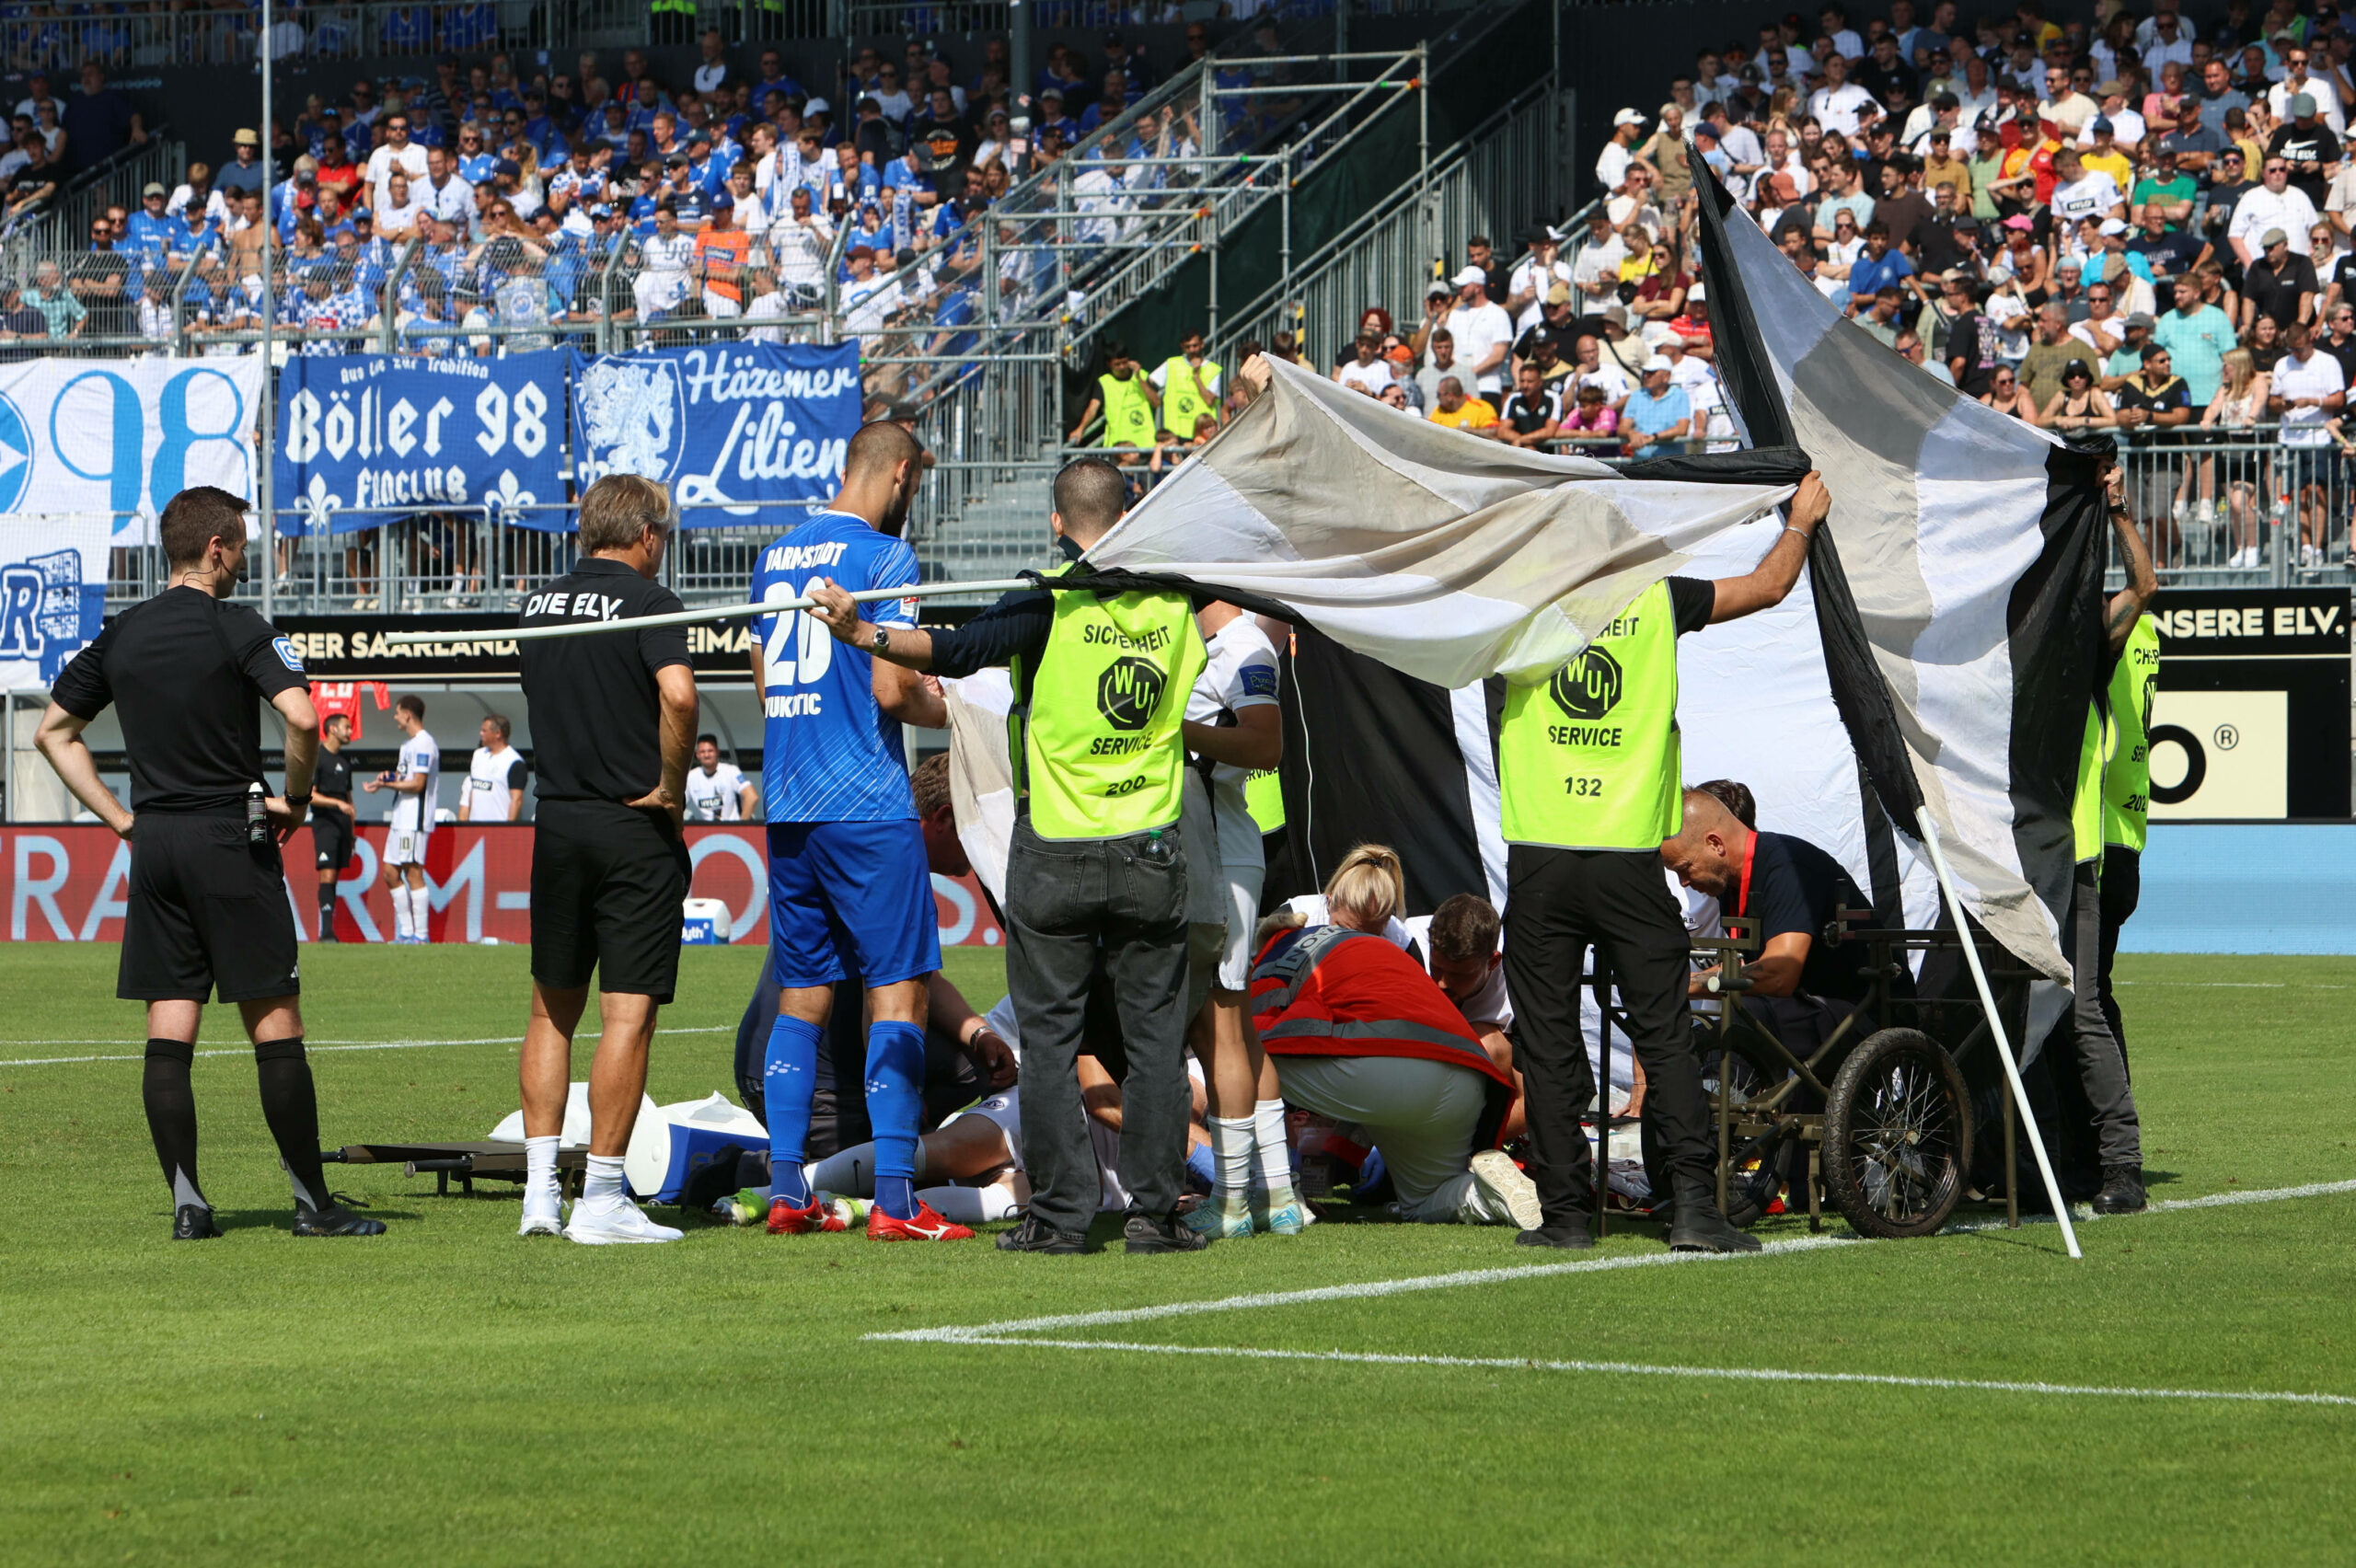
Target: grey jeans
{"x": 1074, "y": 906}
{"x": 2101, "y": 1065}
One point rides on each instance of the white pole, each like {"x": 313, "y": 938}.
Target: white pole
{"x": 1996, "y": 1028}
{"x": 692, "y": 617}
{"x": 264, "y": 490}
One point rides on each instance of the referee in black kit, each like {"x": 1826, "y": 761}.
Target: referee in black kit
{"x": 207, "y": 908}
{"x": 615, "y": 719}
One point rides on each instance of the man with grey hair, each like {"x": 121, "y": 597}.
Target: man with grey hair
{"x": 614, "y": 713}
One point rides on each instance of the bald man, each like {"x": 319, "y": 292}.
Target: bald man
{"x": 1800, "y": 985}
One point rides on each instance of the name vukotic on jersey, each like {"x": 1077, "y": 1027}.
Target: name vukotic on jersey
{"x": 1158, "y": 638}
{"x": 792, "y": 705}
{"x": 801, "y": 558}
{"x": 582, "y": 607}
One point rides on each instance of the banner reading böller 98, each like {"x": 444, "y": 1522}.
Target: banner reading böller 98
{"x": 736, "y": 429}
{"x": 364, "y": 439}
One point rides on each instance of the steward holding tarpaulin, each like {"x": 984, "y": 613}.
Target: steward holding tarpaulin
{"x": 1360, "y": 1033}
{"x": 1096, "y": 876}
{"x": 1588, "y": 769}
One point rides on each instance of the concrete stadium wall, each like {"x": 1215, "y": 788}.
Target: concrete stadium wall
{"x": 2246, "y": 888}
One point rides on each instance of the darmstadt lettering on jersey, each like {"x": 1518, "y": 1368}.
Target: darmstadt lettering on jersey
{"x": 802, "y": 557}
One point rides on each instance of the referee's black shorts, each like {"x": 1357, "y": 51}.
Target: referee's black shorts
{"x": 607, "y": 881}
{"x": 206, "y": 911}
{"x": 331, "y": 839}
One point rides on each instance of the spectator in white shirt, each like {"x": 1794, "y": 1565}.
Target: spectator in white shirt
{"x": 2307, "y": 389}
{"x": 1483, "y": 332}
{"x": 442, "y": 192}
{"x": 201, "y": 193}
{"x": 2275, "y": 204}
{"x": 1536, "y": 272}
{"x": 1366, "y": 371}
{"x": 2295, "y": 80}
{"x": 397, "y": 214}
{"x": 2079, "y": 192}
{"x": 1840, "y": 105}
{"x": 1611, "y": 164}
{"x": 1846, "y": 45}
{"x": 398, "y": 153}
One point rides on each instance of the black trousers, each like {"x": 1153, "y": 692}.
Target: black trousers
{"x": 2123, "y": 890}
{"x": 1558, "y": 902}
{"x": 1074, "y": 906}
{"x": 2090, "y": 1071}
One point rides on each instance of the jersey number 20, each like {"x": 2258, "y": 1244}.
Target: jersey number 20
{"x": 799, "y": 648}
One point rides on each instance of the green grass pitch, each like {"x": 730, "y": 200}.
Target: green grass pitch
{"x": 451, "y": 1394}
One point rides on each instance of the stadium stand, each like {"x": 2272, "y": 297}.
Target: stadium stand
{"x": 1998, "y": 201}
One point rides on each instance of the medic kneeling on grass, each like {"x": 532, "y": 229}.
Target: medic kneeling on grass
{"x": 1359, "y": 1034}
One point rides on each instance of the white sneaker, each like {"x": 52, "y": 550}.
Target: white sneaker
{"x": 2205, "y": 514}
{"x": 1502, "y": 1183}
{"x": 542, "y": 1221}
{"x": 623, "y": 1222}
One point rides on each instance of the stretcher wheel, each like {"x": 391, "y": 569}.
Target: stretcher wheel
{"x": 1897, "y": 1136}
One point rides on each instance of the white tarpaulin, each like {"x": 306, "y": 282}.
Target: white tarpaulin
{"x": 1447, "y": 557}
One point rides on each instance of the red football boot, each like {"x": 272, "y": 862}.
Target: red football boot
{"x": 922, "y": 1226}
{"x": 787, "y": 1220}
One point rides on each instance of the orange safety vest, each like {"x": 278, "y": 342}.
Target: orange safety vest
{"x": 732, "y": 246}
{"x": 1337, "y": 992}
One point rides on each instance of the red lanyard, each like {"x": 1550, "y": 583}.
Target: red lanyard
{"x": 1742, "y": 896}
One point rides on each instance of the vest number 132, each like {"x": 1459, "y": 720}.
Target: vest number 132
{"x": 1583, "y": 788}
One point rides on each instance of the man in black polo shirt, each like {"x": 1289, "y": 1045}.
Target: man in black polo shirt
{"x": 1803, "y": 983}
{"x": 615, "y": 718}
{"x": 331, "y": 817}
{"x": 206, "y": 908}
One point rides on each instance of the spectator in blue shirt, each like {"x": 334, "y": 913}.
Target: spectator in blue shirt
{"x": 1879, "y": 266}
{"x": 148, "y": 233}
{"x": 1657, "y": 413}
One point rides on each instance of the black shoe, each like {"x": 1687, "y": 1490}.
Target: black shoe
{"x": 329, "y": 935}
{"x": 333, "y": 1220}
{"x": 1698, "y": 1226}
{"x": 710, "y": 1182}
{"x": 193, "y": 1222}
{"x": 2122, "y": 1191}
{"x": 1035, "y": 1235}
{"x": 1570, "y": 1237}
{"x": 1143, "y": 1233}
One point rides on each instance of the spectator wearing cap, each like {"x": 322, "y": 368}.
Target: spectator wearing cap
{"x": 1052, "y": 117}
{"x": 1541, "y": 269}
{"x": 1613, "y": 163}
{"x": 2168, "y": 188}
{"x": 2280, "y": 283}
{"x": 2100, "y": 150}
{"x": 2308, "y": 145}
{"x": 1484, "y": 332}
{"x": 1659, "y": 411}
{"x": 722, "y": 251}
{"x": 148, "y": 232}
{"x": 2273, "y": 205}
{"x": 246, "y": 170}
{"x": 2134, "y": 335}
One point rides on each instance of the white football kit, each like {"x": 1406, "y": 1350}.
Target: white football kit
{"x": 717, "y": 795}
{"x": 1241, "y": 673}
{"x": 412, "y": 819}
{"x": 489, "y": 777}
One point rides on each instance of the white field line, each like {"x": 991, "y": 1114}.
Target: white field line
{"x": 308, "y": 1045}
{"x": 2240, "y": 985}
{"x": 1642, "y": 1369}
{"x": 995, "y": 1333}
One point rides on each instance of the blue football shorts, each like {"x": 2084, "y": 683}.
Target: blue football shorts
{"x": 851, "y": 900}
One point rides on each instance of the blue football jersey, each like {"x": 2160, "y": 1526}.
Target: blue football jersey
{"x": 829, "y": 754}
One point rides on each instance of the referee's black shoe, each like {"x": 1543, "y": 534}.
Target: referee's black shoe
{"x": 1143, "y": 1233}
{"x": 1570, "y": 1237}
{"x": 334, "y": 1219}
{"x": 193, "y": 1222}
{"x": 1035, "y": 1235}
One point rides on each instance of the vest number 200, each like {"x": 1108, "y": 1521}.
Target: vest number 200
{"x": 1583, "y": 788}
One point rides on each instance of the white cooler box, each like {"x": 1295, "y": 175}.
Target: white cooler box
{"x": 704, "y": 922}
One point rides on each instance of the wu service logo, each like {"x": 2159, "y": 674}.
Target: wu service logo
{"x": 1589, "y": 687}
{"x": 1128, "y": 691}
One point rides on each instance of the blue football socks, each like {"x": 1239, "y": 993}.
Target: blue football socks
{"x": 789, "y": 1079}
{"x": 896, "y": 1109}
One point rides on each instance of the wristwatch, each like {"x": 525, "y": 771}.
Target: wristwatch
{"x": 881, "y": 641}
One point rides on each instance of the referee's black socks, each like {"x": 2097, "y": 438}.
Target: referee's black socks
{"x": 171, "y": 1116}
{"x": 291, "y": 1106}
